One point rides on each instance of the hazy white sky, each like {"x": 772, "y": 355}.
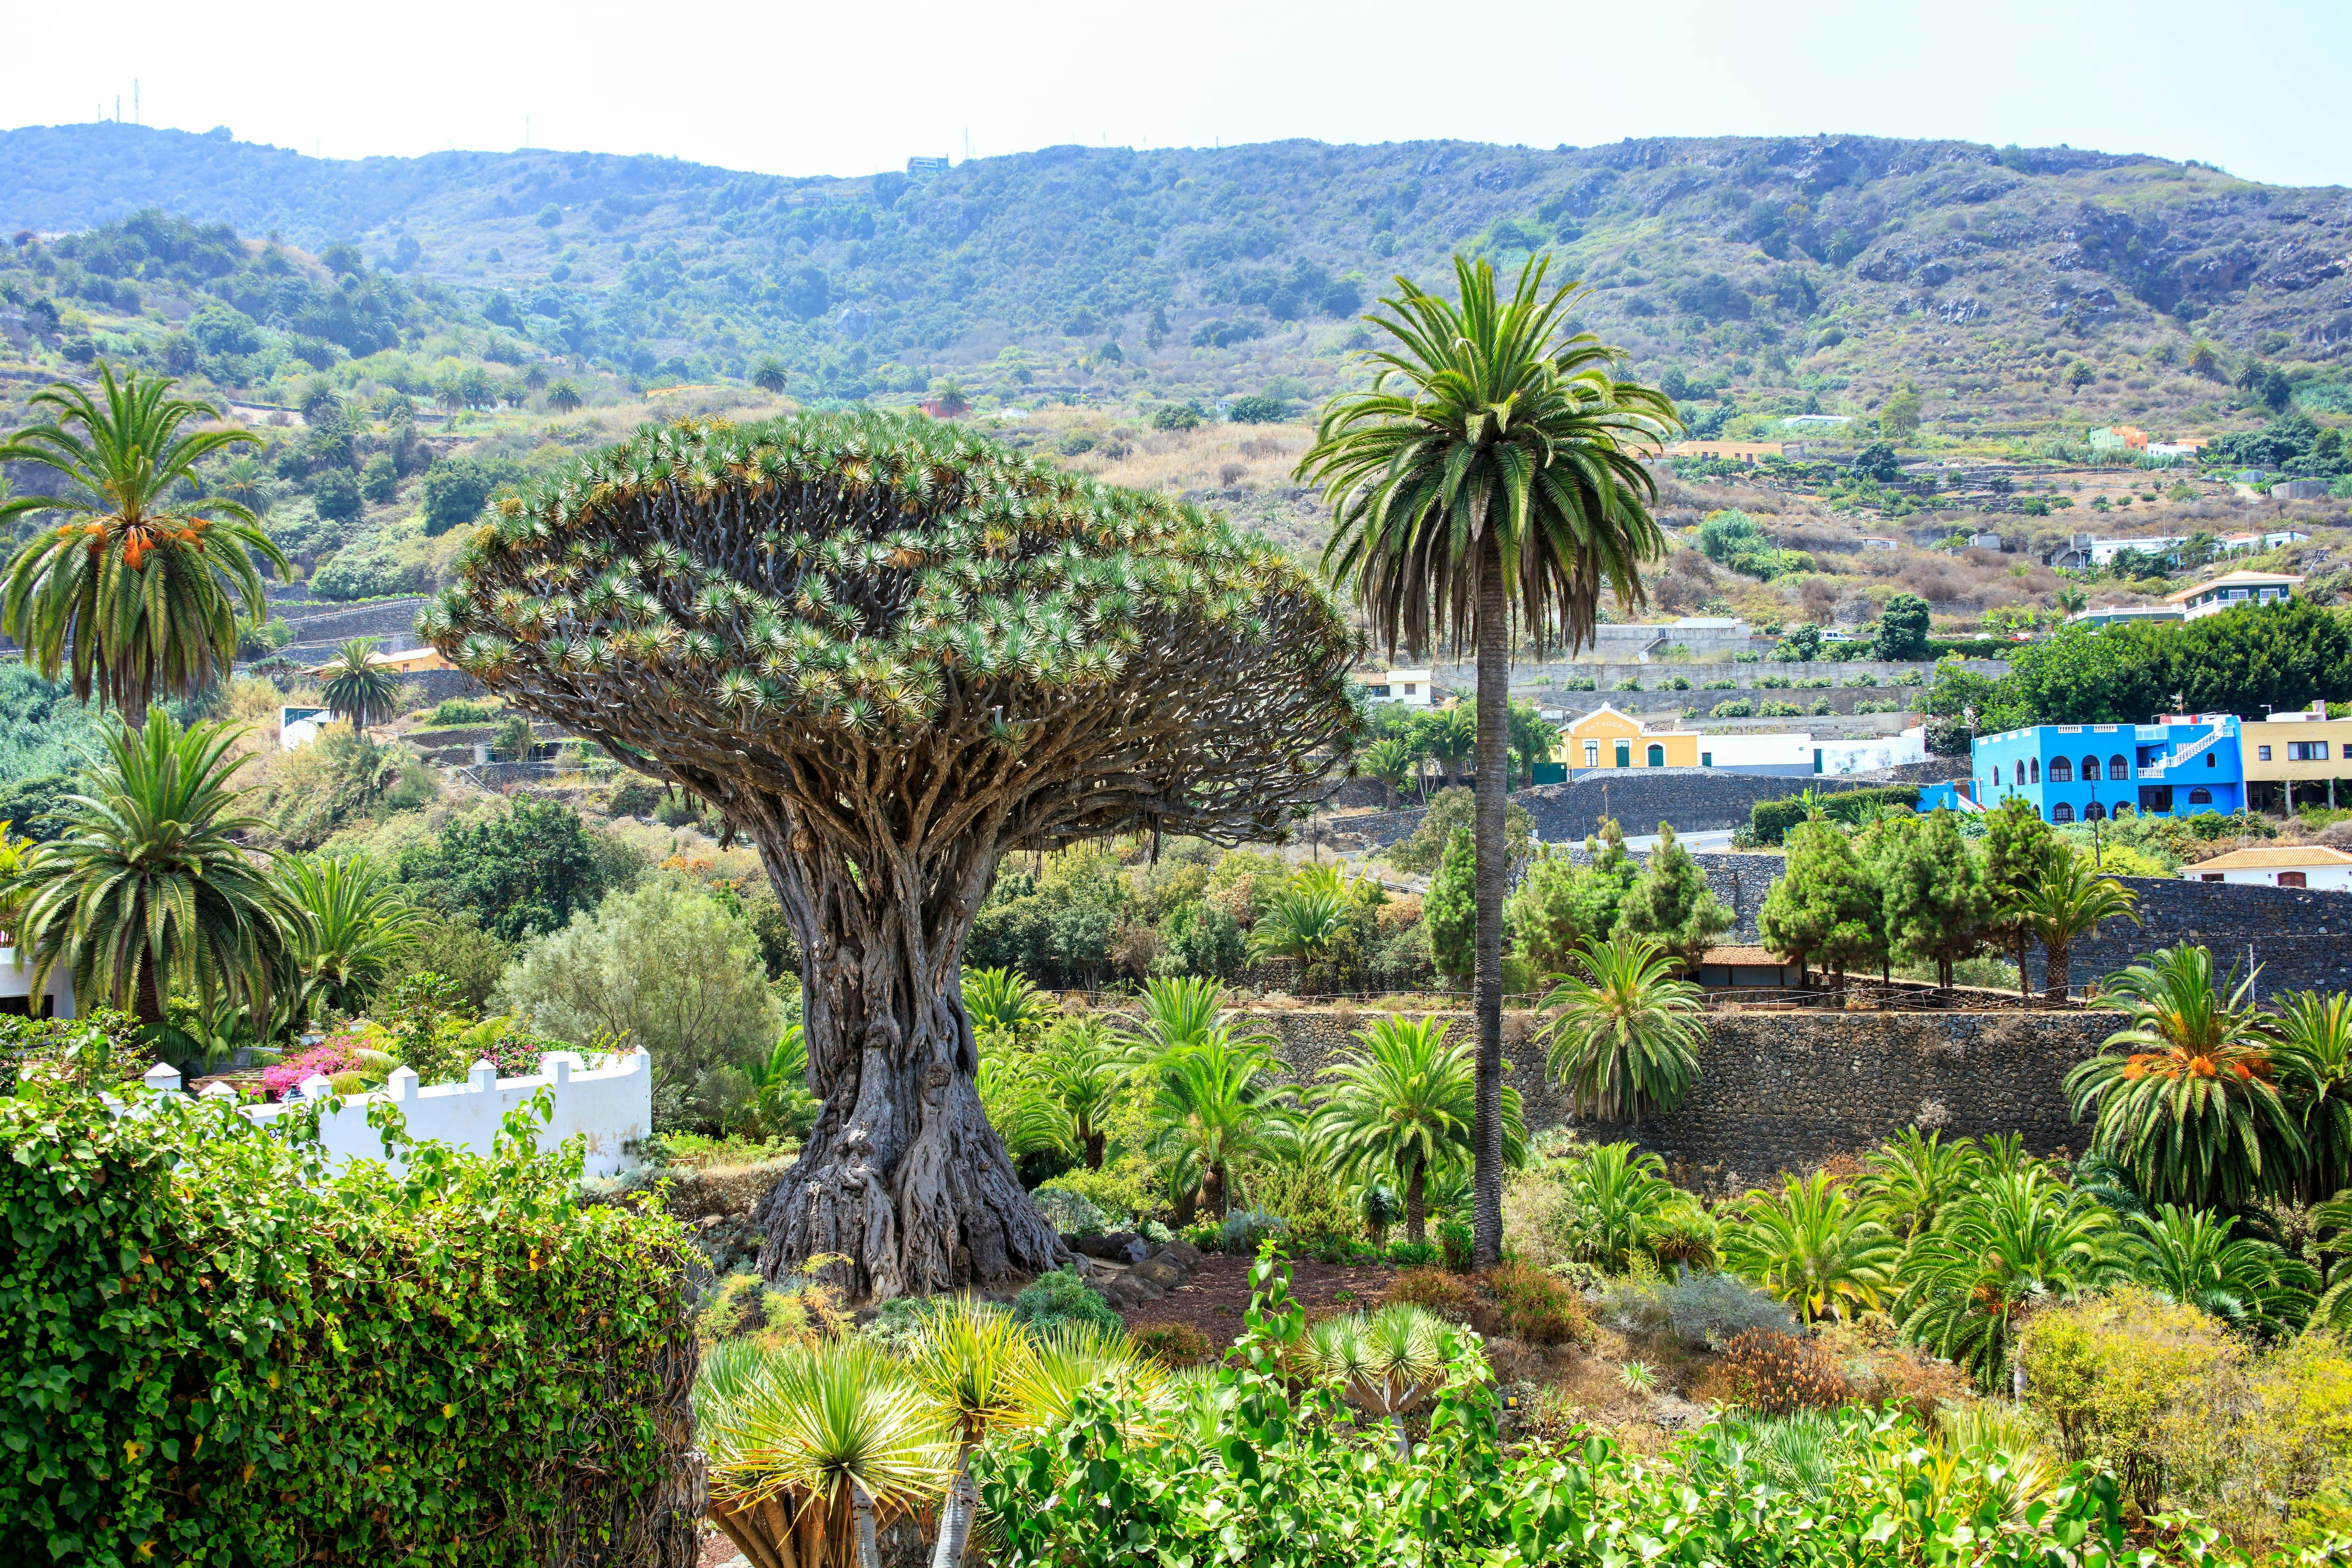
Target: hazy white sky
{"x": 792, "y": 88}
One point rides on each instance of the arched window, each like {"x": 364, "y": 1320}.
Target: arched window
{"x": 1657, "y": 756}
{"x": 1996, "y": 775}
{"x": 2090, "y": 770}
{"x": 2200, "y": 795}
{"x": 2119, "y": 766}
{"x": 2061, "y": 771}
{"x": 2061, "y": 812}
{"x": 2095, "y": 812}
{"x": 2035, "y": 763}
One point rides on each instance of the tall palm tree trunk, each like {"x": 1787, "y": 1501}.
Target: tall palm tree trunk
{"x": 1416, "y": 1203}
{"x": 2057, "y": 960}
{"x": 1494, "y": 732}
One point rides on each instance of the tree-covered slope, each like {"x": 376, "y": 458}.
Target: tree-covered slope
{"x": 1792, "y": 273}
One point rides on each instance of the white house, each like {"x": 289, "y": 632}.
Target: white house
{"x": 1870, "y": 752}
{"x": 17, "y": 998}
{"x": 298, "y": 726}
{"x": 2299, "y": 866}
{"x": 2230, "y": 592}
{"x": 1410, "y": 686}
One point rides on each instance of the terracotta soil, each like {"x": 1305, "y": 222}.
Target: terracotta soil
{"x": 1217, "y": 1294}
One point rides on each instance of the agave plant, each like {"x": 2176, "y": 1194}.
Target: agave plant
{"x": 2190, "y": 1256}
{"x": 1625, "y": 1031}
{"x": 1386, "y": 1363}
{"x": 814, "y": 1449}
{"x": 971, "y": 1362}
{"x": 2009, "y": 1241}
{"x": 1813, "y": 1246}
{"x": 2185, "y": 1094}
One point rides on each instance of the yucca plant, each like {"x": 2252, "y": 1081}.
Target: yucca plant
{"x": 1623, "y": 1031}
{"x": 351, "y": 925}
{"x": 1813, "y": 1246}
{"x": 147, "y": 891}
{"x": 2185, "y": 1095}
{"x": 357, "y": 689}
{"x": 819, "y": 1449}
{"x": 971, "y": 1362}
{"x": 1490, "y": 481}
{"x": 2190, "y": 1256}
{"x": 1385, "y": 1363}
{"x": 137, "y": 592}
{"x": 2011, "y": 1240}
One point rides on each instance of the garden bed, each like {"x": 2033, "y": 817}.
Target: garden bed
{"x": 1215, "y": 1300}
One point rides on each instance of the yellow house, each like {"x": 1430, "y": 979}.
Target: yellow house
{"x": 1605, "y": 738}
{"x": 408, "y": 661}
{"x": 2295, "y": 759}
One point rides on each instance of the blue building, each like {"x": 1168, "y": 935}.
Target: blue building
{"x": 2180, "y": 766}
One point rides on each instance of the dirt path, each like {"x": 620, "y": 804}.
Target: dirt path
{"x": 1218, "y": 1294}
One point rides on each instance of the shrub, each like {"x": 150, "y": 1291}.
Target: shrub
{"x": 1885, "y": 1370}
{"x": 1072, "y": 1213}
{"x": 1779, "y": 709}
{"x": 1779, "y": 1374}
{"x": 1061, "y": 1298}
{"x": 1454, "y": 1238}
{"x": 1172, "y": 1344}
{"x": 1245, "y": 1229}
{"x": 1537, "y": 1307}
{"x": 245, "y": 1334}
{"x": 899, "y": 1321}
{"x": 330, "y": 1057}
{"x": 1117, "y": 1191}
{"x": 1413, "y": 1254}
{"x": 1738, "y": 708}
{"x": 741, "y": 1306}
{"x": 457, "y": 711}
{"x": 1447, "y": 1295}
{"x": 1709, "y": 1310}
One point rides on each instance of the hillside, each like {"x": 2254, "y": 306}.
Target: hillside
{"x": 1770, "y": 276}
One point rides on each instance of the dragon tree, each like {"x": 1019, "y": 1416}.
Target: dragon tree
{"x": 889, "y": 652}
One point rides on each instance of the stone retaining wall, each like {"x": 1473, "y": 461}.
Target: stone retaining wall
{"x": 1785, "y": 1090}
{"x": 2300, "y": 939}
{"x": 1695, "y": 800}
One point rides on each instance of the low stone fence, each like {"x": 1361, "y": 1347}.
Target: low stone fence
{"x": 611, "y": 1108}
{"x": 1695, "y": 800}
{"x": 1784, "y": 1091}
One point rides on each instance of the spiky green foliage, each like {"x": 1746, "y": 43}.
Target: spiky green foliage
{"x": 1908, "y": 1179}
{"x": 1619, "y": 1200}
{"x": 1812, "y": 1244}
{"x": 1623, "y": 1032}
{"x": 2069, "y": 900}
{"x": 356, "y": 690}
{"x": 1005, "y": 1000}
{"x": 2190, "y": 1255}
{"x": 352, "y": 925}
{"x": 139, "y": 590}
{"x": 1213, "y": 1102}
{"x": 2185, "y": 1095}
{"x": 2012, "y": 1239}
{"x": 1401, "y": 1102}
{"x": 147, "y": 893}
{"x": 2314, "y": 1055}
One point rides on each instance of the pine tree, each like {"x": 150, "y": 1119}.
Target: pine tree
{"x": 1824, "y": 908}
{"x": 1562, "y": 905}
{"x": 1932, "y": 893}
{"x": 1452, "y": 909}
{"x": 2019, "y": 851}
{"x": 1672, "y": 903}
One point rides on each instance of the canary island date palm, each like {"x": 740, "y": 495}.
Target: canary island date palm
{"x": 138, "y": 591}
{"x": 2189, "y": 1256}
{"x": 1623, "y": 1031}
{"x": 1909, "y": 1178}
{"x": 1083, "y": 1071}
{"x": 357, "y": 689}
{"x": 1620, "y": 1203}
{"x": 1402, "y": 1102}
{"x": 1212, "y": 1103}
{"x": 351, "y": 925}
{"x": 889, "y": 652}
{"x": 2070, "y": 898}
{"x": 1813, "y": 1246}
{"x": 2186, "y": 1096}
{"x": 146, "y": 892}
{"x": 2313, "y": 1057}
{"x": 1390, "y": 763}
{"x": 1490, "y": 482}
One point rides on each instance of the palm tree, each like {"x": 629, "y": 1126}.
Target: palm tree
{"x": 2008, "y": 1242}
{"x": 1450, "y": 736}
{"x": 1402, "y": 1102}
{"x": 1624, "y": 1031}
{"x": 1180, "y": 1013}
{"x": 1007, "y": 1000}
{"x": 2188, "y": 1256}
{"x": 146, "y": 891}
{"x": 2185, "y": 1094}
{"x": 356, "y": 690}
{"x": 1621, "y": 1201}
{"x": 1392, "y": 762}
{"x": 352, "y": 925}
{"x": 769, "y": 376}
{"x": 970, "y": 1361}
{"x": 1490, "y": 475}
{"x": 1909, "y": 1178}
{"x": 2314, "y": 1055}
{"x": 1212, "y": 1103}
{"x": 138, "y": 594}
{"x": 564, "y": 397}
{"x": 1083, "y": 1071}
{"x": 1812, "y": 1246}
{"x": 1307, "y": 922}
{"x": 2069, "y": 900}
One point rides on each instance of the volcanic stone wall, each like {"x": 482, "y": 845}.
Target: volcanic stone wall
{"x": 2300, "y": 939}
{"x": 1783, "y": 1092}
{"x": 1695, "y": 800}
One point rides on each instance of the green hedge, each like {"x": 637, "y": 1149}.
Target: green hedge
{"x": 1768, "y": 821}
{"x": 1971, "y": 648}
{"x": 222, "y": 1352}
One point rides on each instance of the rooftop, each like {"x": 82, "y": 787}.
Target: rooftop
{"x": 2233, "y": 580}
{"x": 2271, "y": 860}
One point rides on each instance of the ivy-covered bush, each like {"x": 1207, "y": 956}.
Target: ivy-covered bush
{"x": 222, "y": 1351}
{"x": 1061, "y": 1297}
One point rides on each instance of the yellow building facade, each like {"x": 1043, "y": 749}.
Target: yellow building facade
{"x": 2304, "y": 755}
{"x": 1605, "y": 738}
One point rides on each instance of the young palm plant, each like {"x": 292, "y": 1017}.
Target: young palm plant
{"x": 1307, "y": 923}
{"x": 2070, "y": 898}
{"x": 2012, "y": 1240}
{"x": 1813, "y": 1246}
{"x": 137, "y": 592}
{"x": 1392, "y": 764}
{"x": 146, "y": 891}
{"x": 1909, "y": 1178}
{"x": 364, "y": 693}
{"x": 1076, "y": 1357}
{"x": 1004, "y": 999}
{"x": 2185, "y": 1094}
{"x": 1620, "y": 1202}
{"x": 1402, "y": 1102}
{"x": 1083, "y": 1072}
{"x": 1212, "y": 1103}
{"x": 1624, "y": 1030}
{"x": 971, "y": 1362}
{"x": 2189, "y": 1256}
{"x": 352, "y": 925}
{"x": 2313, "y": 1057}
{"x": 1491, "y": 476}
